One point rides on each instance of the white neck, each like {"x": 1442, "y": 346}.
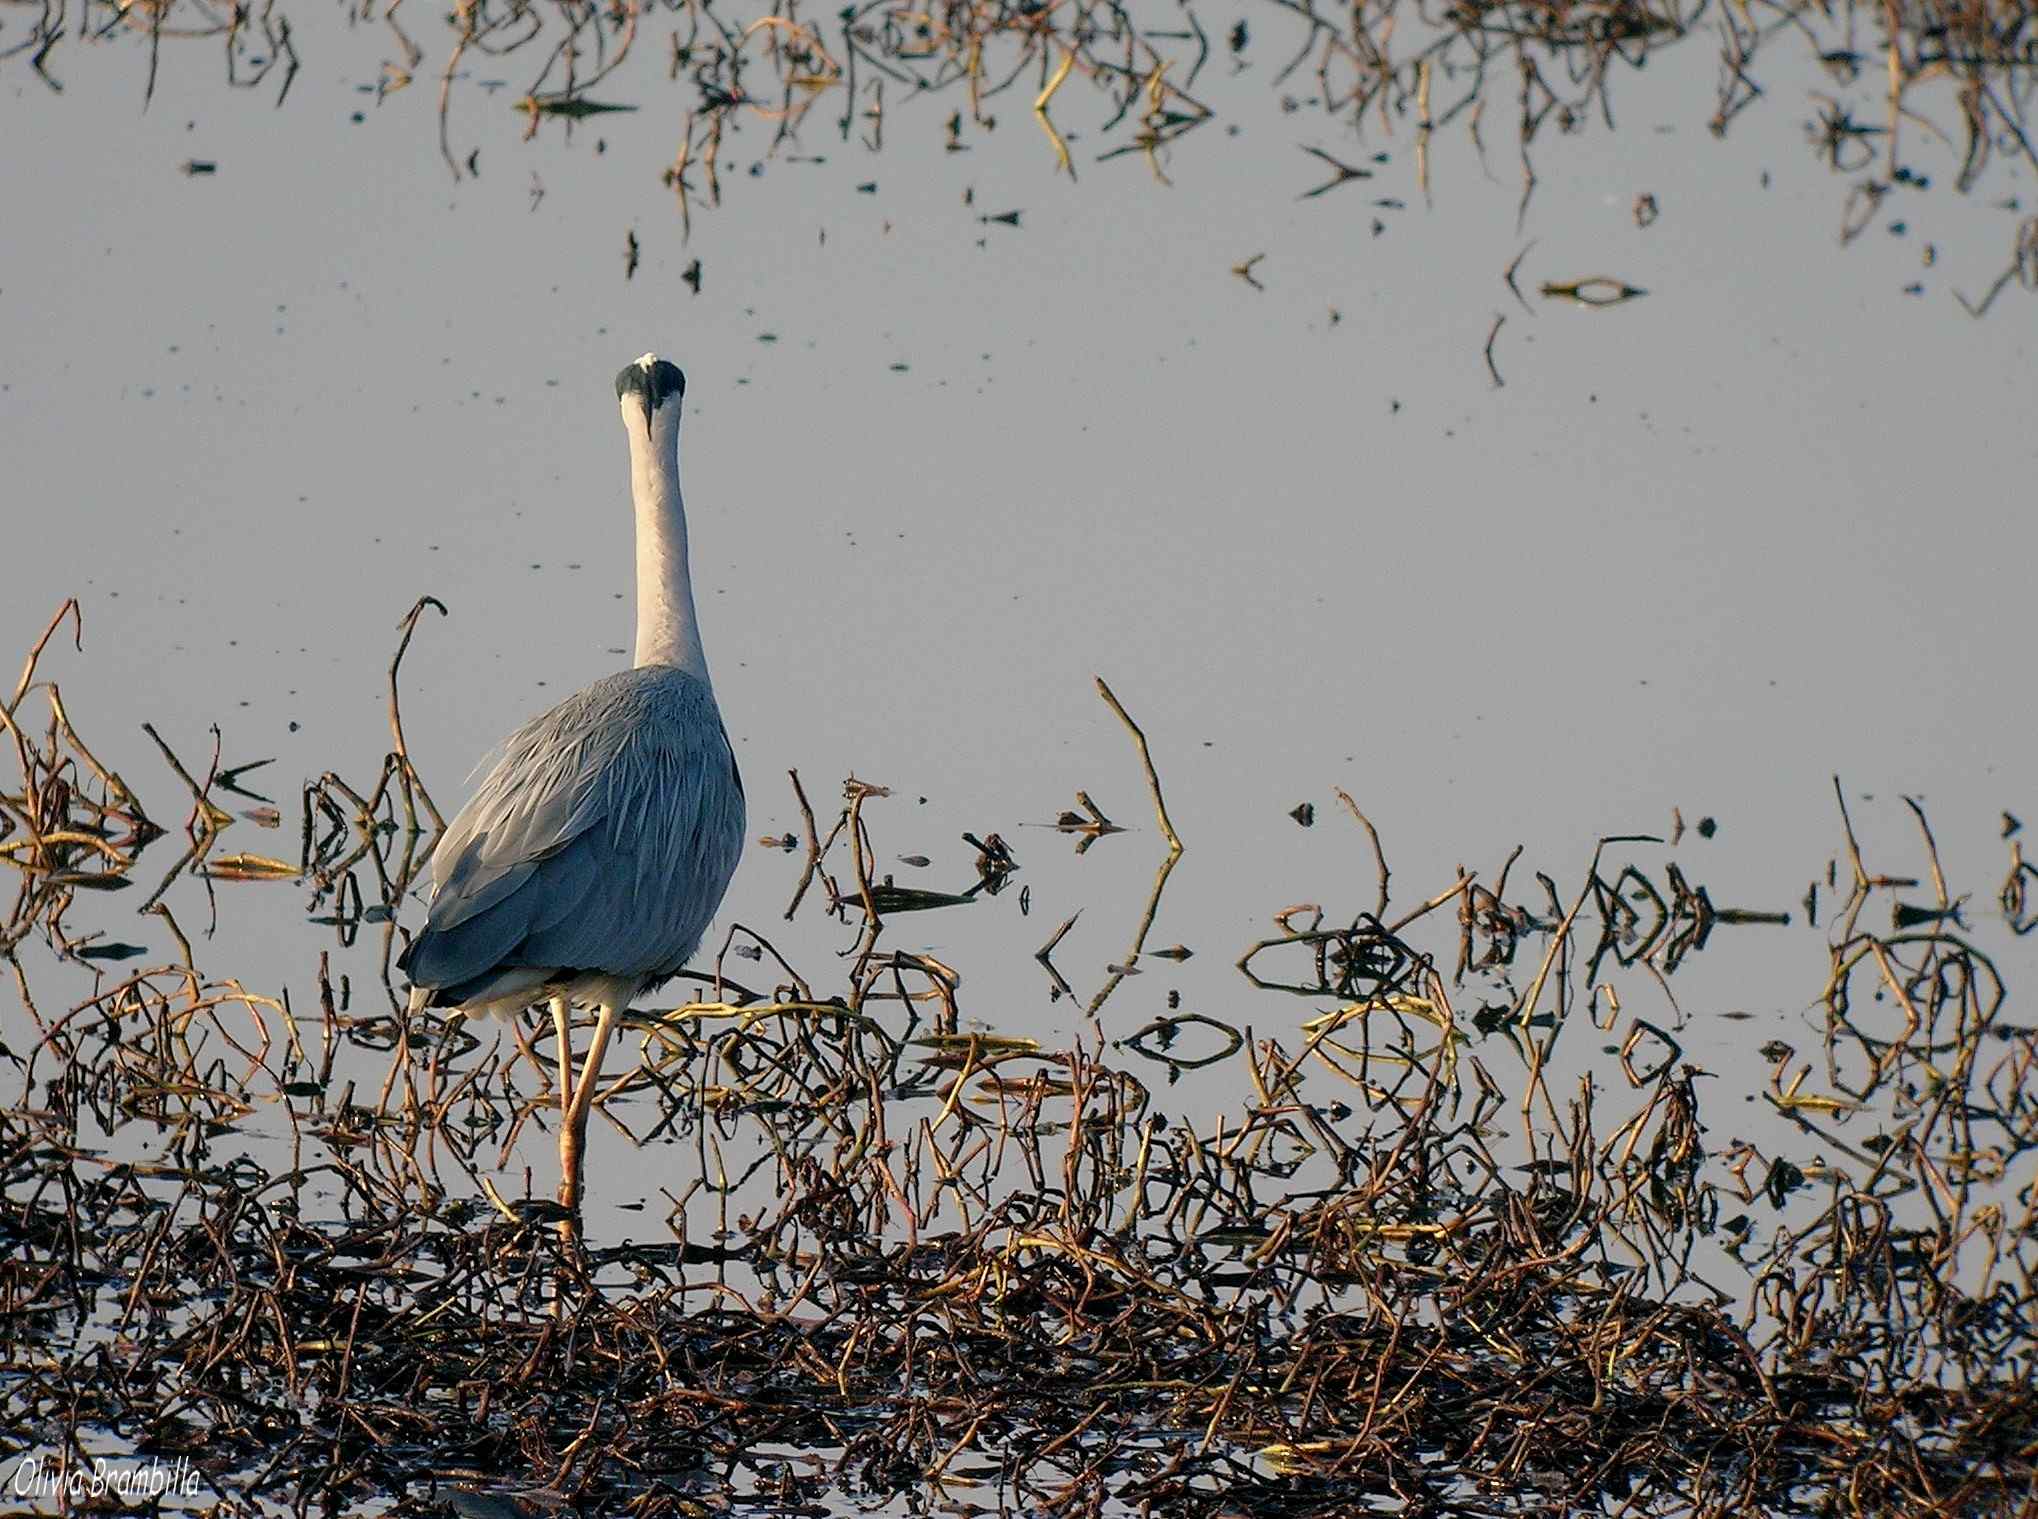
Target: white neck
{"x": 668, "y": 631}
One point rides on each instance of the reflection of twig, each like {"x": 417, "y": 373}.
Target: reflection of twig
{"x": 1343, "y": 173}
{"x": 204, "y": 824}
{"x": 1524, "y": 1010}
{"x": 2023, "y": 268}
{"x": 1514, "y": 268}
{"x": 1130, "y": 965}
{"x": 1167, "y": 865}
{"x": 1046, "y": 951}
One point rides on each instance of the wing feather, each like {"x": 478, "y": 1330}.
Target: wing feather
{"x": 601, "y": 841}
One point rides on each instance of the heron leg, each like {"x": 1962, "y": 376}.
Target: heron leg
{"x": 562, "y": 1024}
{"x": 573, "y": 1128}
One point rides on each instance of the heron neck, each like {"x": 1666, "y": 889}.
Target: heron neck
{"x": 668, "y": 630}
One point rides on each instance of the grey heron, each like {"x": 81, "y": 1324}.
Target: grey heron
{"x": 593, "y": 856}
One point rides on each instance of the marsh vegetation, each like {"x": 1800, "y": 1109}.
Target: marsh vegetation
{"x": 1435, "y": 1213}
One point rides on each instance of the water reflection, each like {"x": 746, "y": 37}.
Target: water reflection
{"x": 1909, "y": 94}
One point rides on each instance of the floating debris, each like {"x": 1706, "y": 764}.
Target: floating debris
{"x": 1599, "y": 290}
{"x": 571, "y": 107}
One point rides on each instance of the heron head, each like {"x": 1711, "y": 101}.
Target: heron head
{"x": 652, "y": 383}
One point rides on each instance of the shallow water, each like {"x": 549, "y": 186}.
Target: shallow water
{"x": 1700, "y": 551}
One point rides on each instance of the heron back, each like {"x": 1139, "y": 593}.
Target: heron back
{"x": 600, "y": 843}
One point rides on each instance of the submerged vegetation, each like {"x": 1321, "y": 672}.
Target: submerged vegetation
{"x": 1901, "y": 95}
{"x": 1458, "y": 1234}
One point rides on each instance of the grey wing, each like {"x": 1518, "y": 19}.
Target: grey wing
{"x": 601, "y": 841}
